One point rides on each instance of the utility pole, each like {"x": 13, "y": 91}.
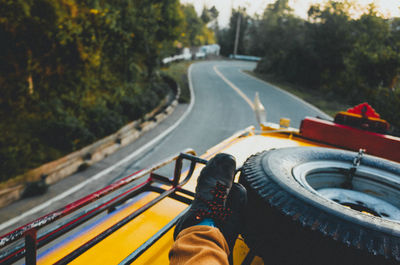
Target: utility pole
{"x": 237, "y": 34}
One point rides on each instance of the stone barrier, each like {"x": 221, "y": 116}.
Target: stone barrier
{"x": 65, "y": 166}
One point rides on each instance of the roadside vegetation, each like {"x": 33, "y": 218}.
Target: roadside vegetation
{"x": 348, "y": 59}
{"x": 179, "y": 72}
{"x": 73, "y": 72}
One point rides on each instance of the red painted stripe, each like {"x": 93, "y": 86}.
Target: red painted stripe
{"x": 95, "y": 209}
{"x": 385, "y": 146}
{"x": 19, "y": 232}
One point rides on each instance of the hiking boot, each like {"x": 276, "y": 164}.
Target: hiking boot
{"x": 211, "y": 200}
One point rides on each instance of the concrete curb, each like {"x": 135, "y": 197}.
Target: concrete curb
{"x": 79, "y": 160}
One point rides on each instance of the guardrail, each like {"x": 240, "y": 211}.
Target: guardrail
{"x": 245, "y": 57}
{"x": 178, "y": 57}
{"x": 73, "y": 162}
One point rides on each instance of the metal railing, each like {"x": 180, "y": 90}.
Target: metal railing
{"x": 145, "y": 180}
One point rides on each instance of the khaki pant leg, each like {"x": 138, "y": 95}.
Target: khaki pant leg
{"x": 199, "y": 244}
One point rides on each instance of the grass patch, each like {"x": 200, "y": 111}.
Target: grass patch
{"x": 324, "y": 102}
{"x": 179, "y": 72}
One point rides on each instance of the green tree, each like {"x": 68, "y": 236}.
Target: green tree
{"x": 209, "y": 14}
{"x": 352, "y": 59}
{"x": 375, "y": 57}
{"x": 226, "y": 37}
{"x": 73, "y": 71}
{"x": 280, "y": 38}
{"x": 194, "y": 29}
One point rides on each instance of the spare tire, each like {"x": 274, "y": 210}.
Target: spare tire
{"x": 317, "y": 206}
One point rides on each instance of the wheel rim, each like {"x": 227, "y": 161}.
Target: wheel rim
{"x": 369, "y": 190}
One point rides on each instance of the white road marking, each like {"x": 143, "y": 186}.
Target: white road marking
{"x": 289, "y": 94}
{"x": 240, "y": 93}
{"x": 109, "y": 169}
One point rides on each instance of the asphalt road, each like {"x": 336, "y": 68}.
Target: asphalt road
{"x": 218, "y": 112}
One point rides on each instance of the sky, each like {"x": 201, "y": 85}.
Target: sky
{"x": 388, "y": 8}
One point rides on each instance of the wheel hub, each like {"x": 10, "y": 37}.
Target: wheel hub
{"x": 373, "y": 191}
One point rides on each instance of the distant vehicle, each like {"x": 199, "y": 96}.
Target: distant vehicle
{"x": 206, "y": 50}
{"x": 211, "y": 49}
{"x": 200, "y": 55}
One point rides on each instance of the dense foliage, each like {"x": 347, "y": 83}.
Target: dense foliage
{"x": 194, "y": 29}
{"x": 226, "y": 36}
{"x": 351, "y": 59}
{"x": 74, "y": 71}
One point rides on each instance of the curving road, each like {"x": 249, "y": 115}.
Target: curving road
{"x": 218, "y": 111}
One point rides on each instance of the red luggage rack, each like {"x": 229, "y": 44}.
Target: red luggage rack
{"x": 145, "y": 180}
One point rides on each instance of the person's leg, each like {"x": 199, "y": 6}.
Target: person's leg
{"x": 200, "y": 244}
{"x": 207, "y": 233}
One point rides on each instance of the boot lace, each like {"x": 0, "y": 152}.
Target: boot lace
{"x": 215, "y": 208}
